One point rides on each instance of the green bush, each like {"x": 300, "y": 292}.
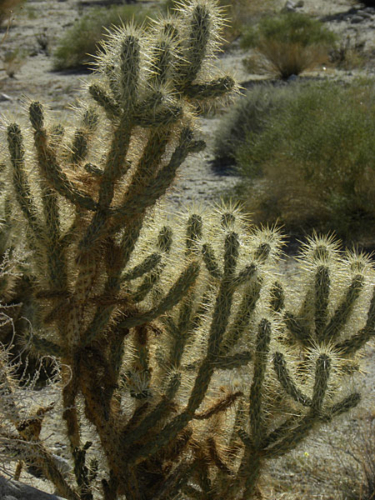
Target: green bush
{"x": 312, "y": 164}
{"x": 247, "y": 115}
{"x": 79, "y": 44}
{"x": 289, "y": 43}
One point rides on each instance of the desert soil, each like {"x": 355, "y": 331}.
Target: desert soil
{"x": 315, "y": 469}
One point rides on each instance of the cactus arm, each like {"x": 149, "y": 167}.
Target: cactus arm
{"x": 322, "y": 372}
{"x": 181, "y": 332}
{"x": 175, "y": 426}
{"x": 82, "y": 136}
{"x": 148, "y": 423}
{"x": 344, "y": 310}
{"x": 55, "y": 251}
{"x": 245, "y": 275}
{"x": 20, "y": 181}
{"x": 115, "y": 167}
{"x": 220, "y": 406}
{"x": 353, "y": 344}
{"x": 217, "y": 329}
{"x": 260, "y": 363}
{"x": 210, "y": 261}
{"x": 159, "y": 116}
{"x": 341, "y": 407}
{"x": 193, "y": 233}
{"x": 200, "y": 32}
{"x": 213, "y": 89}
{"x": 134, "y": 204}
{"x": 148, "y": 265}
{"x": 224, "y": 298}
{"x": 322, "y": 289}
{"x": 293, "y": 437}
{"x": 241, "y": 321}
{"x": 45, "y": 346}
{"x": 112, "y": 286}
{"x": 79, "y": 146}
{"x": 149, "y": 161}
{"x": 176, "y": 481}
{"x": 287, "y": 382}
{"x": 101, "y": 97}
{"x": 235, "y": 361}
{"x": 251, "y": 462}
{"x": 277, "y": 302}
{"x": 173, "y": 297}
{"x": 281, "y": 431}
{"x": 50, "y": 168}
{"x": 297, "y": 329}
{"x": 93, "y": 170}
{"x": 147, "y": 285}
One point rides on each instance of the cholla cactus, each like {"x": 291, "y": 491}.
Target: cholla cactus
{"x": 149, "y": 316}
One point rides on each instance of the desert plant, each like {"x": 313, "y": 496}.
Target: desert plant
{"x": 348, "y": 53}
{"x": 239, "y": 14}
{"x": 312, "y": 164}
{"x": 150, "y": 315}
{"x": 248, "y": 115}
{"x": 289, "y": 43}
{"x": 80, "y": 43}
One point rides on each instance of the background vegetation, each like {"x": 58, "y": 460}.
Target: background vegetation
{"x": 308, "y": 159}
{"x": 79, "y": 44}
{"x": 289, "y": 43}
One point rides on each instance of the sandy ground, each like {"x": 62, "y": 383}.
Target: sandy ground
{"x": 303, "y": 474}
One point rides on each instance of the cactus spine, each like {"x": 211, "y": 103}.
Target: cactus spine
{"x": 145, "y": 314}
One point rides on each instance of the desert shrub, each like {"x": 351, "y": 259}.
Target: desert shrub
{"x": 289, "y": 43}
{"x": 248, "y": 115}
{"x": 79, "y": 44}
{"x": 312, "y": 164}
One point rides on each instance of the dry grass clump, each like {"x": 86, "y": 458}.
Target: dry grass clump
{"x": 357, "y": 462}
{"x": 289, "y": 43}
